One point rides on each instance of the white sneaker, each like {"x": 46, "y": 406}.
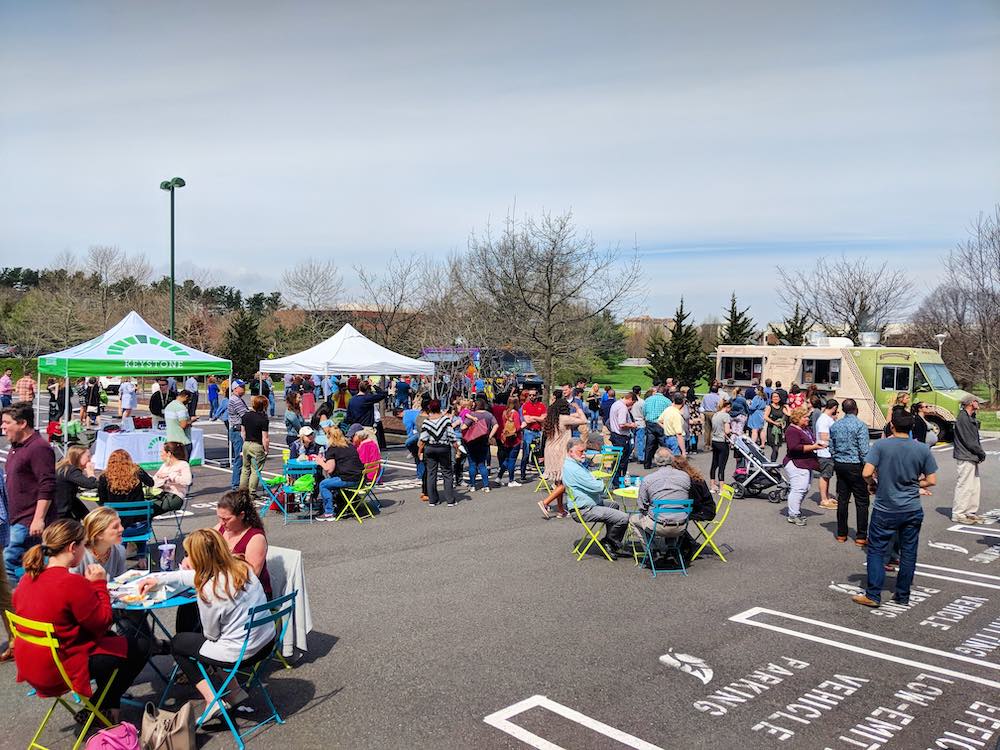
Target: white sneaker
{"x": 486, "y": 489}
{"x": 472, "y": 488}
{"x": 512, "y": 483}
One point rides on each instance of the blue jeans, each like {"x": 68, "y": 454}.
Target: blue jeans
{"x": 326, "y": 488}
{"x": 213, "y": 406}
{"x": 20, "y": 542}
{"x": 510, "y": 462}
{"x": 882, "y": 527}
{"x": 639, "y": 444}
{"x": 671, "y": 442}
{"x": 236, "y": 440}
{"x": 528, "y": 437}
{"x": 480, "y": 468}
{"x": 5, "y": 401}
{"x": 270, "y": 403}
{"x": 625, "y": 443}
{"x": 595, "y": 420}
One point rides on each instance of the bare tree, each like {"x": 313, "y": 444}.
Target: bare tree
{"x": 544, "y": 284}
{"x": 966, "y": 307}
{"x": 313, "y": 285}
{"x": 390, "y": 305}
{"x": 848, "y": 296}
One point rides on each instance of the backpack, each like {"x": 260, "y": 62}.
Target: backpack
{"x": 122, "y": 736}
{"x": 509, "y": 429}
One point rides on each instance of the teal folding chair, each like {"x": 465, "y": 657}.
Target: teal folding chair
{"x": 262, "y": 616}
{"x": 137, "y": 518}
{"x": 659, "y": 511}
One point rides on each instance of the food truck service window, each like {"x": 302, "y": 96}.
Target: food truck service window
{"x": 820, "y": 371}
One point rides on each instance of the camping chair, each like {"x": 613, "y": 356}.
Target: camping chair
{"x": 262, "y": 616}
{"x": 657, "y": 510}
{"x": 354, "y": 496}
{"x": 140, "y": 514}
{"x": 19, "y": 627}
{"x": 591, "y": 531}
{"x": 608, "y": 460}
{"x": 708, "y": 529}
{"x": 543, "y": 483}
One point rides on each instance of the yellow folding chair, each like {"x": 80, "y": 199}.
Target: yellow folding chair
{"x": 607, "y": 465}
{"x": 19, "y": 627}
{"x": 591, "y": 531}
{"x": 354, "y": 496}
{"x": 708, "y": 529}
{"x": 542, "y": 481}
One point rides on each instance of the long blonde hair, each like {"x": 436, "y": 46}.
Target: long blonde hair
{"x": 336, "y": 436}
{"x": 96, "y": 523}
{"x": 72, "y": 457}
{"x": 212, "y": 561}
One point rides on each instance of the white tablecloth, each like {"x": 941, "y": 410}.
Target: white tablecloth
{"x": 144, "y": 447}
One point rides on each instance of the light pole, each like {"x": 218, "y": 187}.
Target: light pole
{"x": 172, "y": 185}
{"x": 940, "y": 339}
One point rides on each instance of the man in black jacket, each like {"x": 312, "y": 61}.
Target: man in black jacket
{"x": 160, "y": 399}
{"x": 361, "y": 408}
{"x": 968, "y": 454}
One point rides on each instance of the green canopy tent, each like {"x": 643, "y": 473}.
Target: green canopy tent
{"x": 134, "y": 348}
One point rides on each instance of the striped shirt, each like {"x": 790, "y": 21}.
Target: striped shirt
{"x": 437, "y": 431}
{"x": 237, "y": 408}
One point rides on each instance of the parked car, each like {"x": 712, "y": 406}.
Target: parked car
{"x": 8, "y": 350}
{"x": 110, "y": 385}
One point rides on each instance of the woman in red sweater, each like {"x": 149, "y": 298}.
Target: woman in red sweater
{"x": 80, "y": 609}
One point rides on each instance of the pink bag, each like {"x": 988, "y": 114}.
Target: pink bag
{"x": 122, "y": 736}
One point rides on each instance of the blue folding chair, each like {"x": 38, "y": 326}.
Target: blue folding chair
{"x": 265, "y": 615}
{"x": 659, "y": 511}
{"x": 137, "y": 518}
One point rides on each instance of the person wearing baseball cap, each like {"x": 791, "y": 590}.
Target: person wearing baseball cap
{"x": 236, "y": 409}
{"x": 968, "y": 454}
{"x": 306, "y": 445}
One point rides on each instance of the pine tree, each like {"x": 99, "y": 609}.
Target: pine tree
{"x": 681, "y": 357}
{"x": 794, "y": 329}
{"x": 738, "y": 327}
{"x": 243, "y": 344}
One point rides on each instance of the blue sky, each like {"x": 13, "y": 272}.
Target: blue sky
{"x": 722, "y": 139}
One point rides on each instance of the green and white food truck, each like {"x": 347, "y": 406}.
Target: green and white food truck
{"x": 871, "y": 375}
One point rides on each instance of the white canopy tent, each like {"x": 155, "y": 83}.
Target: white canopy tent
{"x": 348, "y": 351}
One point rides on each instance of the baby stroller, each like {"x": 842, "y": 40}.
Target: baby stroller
{"x": 755, "y": 475}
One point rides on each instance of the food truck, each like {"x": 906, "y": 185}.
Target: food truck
{"x": 871, "y": 375}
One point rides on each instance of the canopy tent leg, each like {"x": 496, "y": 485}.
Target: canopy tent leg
{"x": 66, "y": 401}
{"x": 38, "y": 396}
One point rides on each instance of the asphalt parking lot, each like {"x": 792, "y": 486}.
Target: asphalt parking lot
{"x": 474, "y": 626}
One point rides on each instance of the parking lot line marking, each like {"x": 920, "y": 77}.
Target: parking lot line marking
{"x": 980, "y": 584}
{"x": 745, "y": 618}
{"x": 980, "y": 530}
{"x": 958, "y": 570}
{"x": 501, "y": 720}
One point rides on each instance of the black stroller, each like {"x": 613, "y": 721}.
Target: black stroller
{"x": 755, "y": 475}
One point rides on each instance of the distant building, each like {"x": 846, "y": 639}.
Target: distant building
{"x": 640, "y": 328}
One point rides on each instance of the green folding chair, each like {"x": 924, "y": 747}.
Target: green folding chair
{"x": 608, "y": 460}
{"x": 19, "y": 627}
{"x": 590, "y": 532}
{"x": 708, "y": 529}
{"x": 355, "y": 496}
{"x": 543, "y": 483}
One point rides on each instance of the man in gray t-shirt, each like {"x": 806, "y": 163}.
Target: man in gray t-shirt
{"x": 899, "y": 470}
{"x": 666, "y": 483}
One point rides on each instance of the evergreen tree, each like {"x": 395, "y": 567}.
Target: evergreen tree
{"x": 794, "y": 329}
{"x": 243, "y": 344}
{"x": 738, "y": 327}
{"x": 681, "y": 356}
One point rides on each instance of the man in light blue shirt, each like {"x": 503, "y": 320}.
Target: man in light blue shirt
{"x": 651, "y": 411}
{"x": 848, "y": 448}
{"x": 586, "y": 493}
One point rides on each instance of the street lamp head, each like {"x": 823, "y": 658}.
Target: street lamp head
{"x": 940, "y": 337}
{"x": 177, "y": 182}
{"x": 165, "y": 185}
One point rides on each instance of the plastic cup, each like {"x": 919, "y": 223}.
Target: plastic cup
{"x": 167, "y": 550}
{"x": 286, "y": 454}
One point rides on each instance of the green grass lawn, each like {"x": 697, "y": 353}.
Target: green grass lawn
{"x": 623, "y": 378}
